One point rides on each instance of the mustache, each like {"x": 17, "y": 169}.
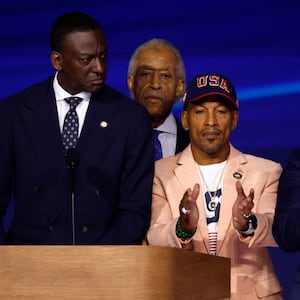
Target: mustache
{"x": 97, "y": 77}
{"x": 154, "y": 95}
{"x": 211, "y": 130}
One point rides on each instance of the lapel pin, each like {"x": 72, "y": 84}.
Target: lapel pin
{"x": 103, "y": 124}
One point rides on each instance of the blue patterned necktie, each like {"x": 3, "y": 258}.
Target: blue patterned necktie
{"x": 157, "y": 145}
{"x": 71, "y": 124}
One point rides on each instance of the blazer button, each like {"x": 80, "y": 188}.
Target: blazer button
{"x": 84, "y": 229}
{"x": 97, "y": 192}
{"x": 50, "y": 228}
{"x": 36, "y": 188}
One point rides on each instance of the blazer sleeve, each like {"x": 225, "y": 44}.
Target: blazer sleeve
{"x": 266, "y": 196}
{"x": 162, "y": 230}
{"x": 286, "y": 226}
{"x": 6, "y": 164}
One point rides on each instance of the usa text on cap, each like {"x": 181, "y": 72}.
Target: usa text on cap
{"x": 210, "y": 84}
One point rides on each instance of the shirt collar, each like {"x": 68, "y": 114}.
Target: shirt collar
{"x": 169, "y": 125}
{"x": 61, "y": 94}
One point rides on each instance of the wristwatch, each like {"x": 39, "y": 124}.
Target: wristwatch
{"x": 252, "y": 225}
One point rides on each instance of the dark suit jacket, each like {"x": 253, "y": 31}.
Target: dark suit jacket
{"x": 112, "y": 185}
{"x": 183, "y": 138}
{"x": 295, "y": 291}
{"x": 286, "y": 226}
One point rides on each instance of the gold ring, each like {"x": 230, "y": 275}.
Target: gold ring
{"x": 184, "y": 210}
{"x": 246, "y": 216}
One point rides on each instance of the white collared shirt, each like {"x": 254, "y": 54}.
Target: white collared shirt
{"x": 63, "y": 106}
{"x": 169, "y": 135}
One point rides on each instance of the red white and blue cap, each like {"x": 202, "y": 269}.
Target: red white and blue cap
{"x": 205, "y": 85}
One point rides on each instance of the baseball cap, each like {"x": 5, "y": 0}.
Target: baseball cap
{"x": 210, "y": 84}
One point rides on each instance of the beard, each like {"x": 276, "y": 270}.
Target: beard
{"x": 212, "y": 148}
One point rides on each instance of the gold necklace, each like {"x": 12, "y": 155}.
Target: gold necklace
{"x": 212, "y": 205}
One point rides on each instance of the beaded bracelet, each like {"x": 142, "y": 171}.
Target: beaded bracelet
{"x": 181, "y": 233}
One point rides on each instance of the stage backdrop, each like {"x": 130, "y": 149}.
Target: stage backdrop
{"x": 255, "y": 43}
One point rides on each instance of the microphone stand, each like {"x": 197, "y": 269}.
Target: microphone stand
{"x": 72, "y": 159}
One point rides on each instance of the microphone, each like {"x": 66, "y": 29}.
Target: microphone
{"x": 72, "y": 158}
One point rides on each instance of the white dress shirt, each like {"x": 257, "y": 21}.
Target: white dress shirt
{"x": 63, "y": 106}
{"x": 169, "y": 135}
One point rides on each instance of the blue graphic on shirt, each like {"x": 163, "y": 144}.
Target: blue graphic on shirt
{"x": 213, "y": 207}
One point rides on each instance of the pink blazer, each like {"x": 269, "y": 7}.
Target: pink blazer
{"x": 252, "y": 273}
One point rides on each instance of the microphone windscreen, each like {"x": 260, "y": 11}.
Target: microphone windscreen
{"x": 72, "y": 158}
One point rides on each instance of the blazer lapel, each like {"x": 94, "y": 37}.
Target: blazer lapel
{"x": 236, "y": 170}
{"x": 42, "y": 128}
{"x": 99, "y": 130}
{"x": 188, "y": 175}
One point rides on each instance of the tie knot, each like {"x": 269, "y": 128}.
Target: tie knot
{"x": 73, "y": 101}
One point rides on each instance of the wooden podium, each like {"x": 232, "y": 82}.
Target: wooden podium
{"x": 111, "y": 272}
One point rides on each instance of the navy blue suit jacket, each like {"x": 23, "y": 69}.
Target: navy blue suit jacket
{"x": 183, "y": 138}
{"x": 286, "y": 226}
{"x": 112, "y": 185}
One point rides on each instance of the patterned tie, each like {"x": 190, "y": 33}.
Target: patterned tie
{"x": 70, "y": 128}
{"x": 157, "y": 145}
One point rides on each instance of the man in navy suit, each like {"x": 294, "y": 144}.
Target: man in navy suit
{"x": 156, "y": 79}
{"x": 286, "y": 226}
{"x": 98, "y": 193}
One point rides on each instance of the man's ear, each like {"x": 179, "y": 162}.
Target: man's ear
{"x": 130, "y": 83}
{"x": 235, "y": 117}
{"x": 180, "y": 87}
{"x": 184, "y": 120}
{"x": 56, "y": 60}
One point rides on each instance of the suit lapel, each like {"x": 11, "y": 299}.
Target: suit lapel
{"x": 99, "y": 129}
{"x": 236, "y": 170}
{"x": 42, "y": 128}
{"x": 188, "y": 175}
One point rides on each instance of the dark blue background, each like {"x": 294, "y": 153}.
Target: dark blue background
{"x": 254, "y": 43}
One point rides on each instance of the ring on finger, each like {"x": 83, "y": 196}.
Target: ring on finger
{"x": 184, "y": 210}
{"x": 246, "y": 216}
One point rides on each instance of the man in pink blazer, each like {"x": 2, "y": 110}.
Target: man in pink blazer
{"x": 212, "y": 198}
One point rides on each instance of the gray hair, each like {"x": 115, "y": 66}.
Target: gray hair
{"x": 157, "y": 43}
